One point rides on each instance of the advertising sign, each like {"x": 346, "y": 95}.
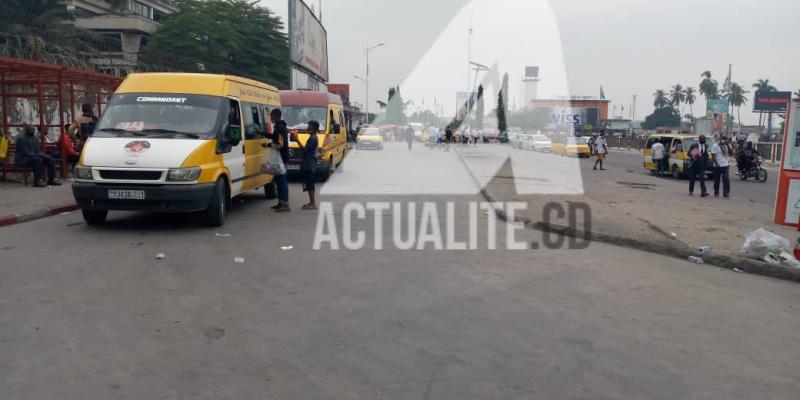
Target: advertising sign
{"x": 791, "y": 153}
{"x": 771, "y": 101}
{"x": 342, "y": 89}
{"x": 308, "y": 41}
{"x": 577, "y": 117}
{"x": 715, "y": 107}
{"x": 787, "y": 199}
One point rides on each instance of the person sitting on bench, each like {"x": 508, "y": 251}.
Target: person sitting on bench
{"x": 29, "y": 155}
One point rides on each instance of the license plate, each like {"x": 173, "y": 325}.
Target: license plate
{"x": 117, "y": 194}
{"x": 292, "y": 167}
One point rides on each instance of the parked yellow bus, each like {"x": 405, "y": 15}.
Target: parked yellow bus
{"x": 676, "y": 149}
{"x": 301, "y": 106}
{"x": 172, "y": 142}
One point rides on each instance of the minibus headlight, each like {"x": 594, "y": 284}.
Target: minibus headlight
{"x": 83, "y": 172}
{"x": 183, "y": 174}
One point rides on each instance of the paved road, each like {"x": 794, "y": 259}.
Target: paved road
{"x": 89, "y": 313}
{"x": 762, "y": 193}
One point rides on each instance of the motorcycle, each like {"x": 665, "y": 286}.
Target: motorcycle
{"x": 755, "y": 171}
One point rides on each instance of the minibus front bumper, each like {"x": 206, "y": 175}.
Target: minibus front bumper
{"x": 139, "y": 197}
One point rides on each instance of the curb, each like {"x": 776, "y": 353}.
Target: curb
{"x": 747, "y": 265}
{"x": 36, "y": 213}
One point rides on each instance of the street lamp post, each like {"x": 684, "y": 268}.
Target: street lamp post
{"x": 366, "y": 80}
{"x": 478, "y": 69}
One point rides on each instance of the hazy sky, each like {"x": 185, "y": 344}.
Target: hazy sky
{"x": 627, "y": 46}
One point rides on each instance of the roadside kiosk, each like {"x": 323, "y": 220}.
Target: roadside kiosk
{"x": 787, "y": 200}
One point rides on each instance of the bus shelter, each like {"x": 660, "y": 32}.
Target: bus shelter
{"x": 49, "y": 96}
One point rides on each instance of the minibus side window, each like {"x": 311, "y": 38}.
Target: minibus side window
{"x": 252, "y": 121}
{"x": 331, "y": 121}
{"x": 265, "y": 117}
{"x": 232, "y": 134}
{"x": 650, "y": 142}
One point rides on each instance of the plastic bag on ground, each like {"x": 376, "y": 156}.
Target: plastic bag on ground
{"x": 761, "y": 242}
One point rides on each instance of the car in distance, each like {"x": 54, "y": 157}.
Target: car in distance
{"x": 369, "y": 138}
{"x": 541, "y": 143}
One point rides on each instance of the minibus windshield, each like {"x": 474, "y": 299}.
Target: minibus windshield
{"x": 162, "y": 115}
{"x": 297, "y": 117}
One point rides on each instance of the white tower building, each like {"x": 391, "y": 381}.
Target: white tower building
{"x": 530, "y": 86}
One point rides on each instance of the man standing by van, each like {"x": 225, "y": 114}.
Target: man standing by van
{"x": 280, "y": 141}
{"x": 84, "y": 125}
{"x": 657, "y": 150}
{"x": 697, "y": 169}
{"x": 308, "y": 165}
{"x": 720, "y": 152}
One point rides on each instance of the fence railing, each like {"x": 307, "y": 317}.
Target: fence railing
{"x": 620, "y": 143}
{"x": 769, "y": 151}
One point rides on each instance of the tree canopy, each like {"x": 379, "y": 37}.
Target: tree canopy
{"x": 663, "y": 116}
{"x": 479, "y": 110}
{"x": 395, "y": 107}
{"x": 234, "y": 37}
{"x": 501, "y": 113}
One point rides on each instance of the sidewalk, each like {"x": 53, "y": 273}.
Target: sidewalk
{"x": 19, "y": 203}
{"x": 644, "y": 212}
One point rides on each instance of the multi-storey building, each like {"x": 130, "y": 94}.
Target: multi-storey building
{"x": 124, "y": 24}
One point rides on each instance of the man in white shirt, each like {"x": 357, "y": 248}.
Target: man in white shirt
{"x": 601, "y": 147}
{"x": 720, "y": 152}
{"x": 657, "y": 150}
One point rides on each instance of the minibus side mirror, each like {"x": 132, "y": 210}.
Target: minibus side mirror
{"x": 224, "y": 146}
{"x": 234, "y": 135}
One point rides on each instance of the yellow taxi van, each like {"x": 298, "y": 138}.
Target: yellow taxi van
{"x": 676, "y": 150}
{"x": 301, "y": 106}
{"x": 177, "y": 142}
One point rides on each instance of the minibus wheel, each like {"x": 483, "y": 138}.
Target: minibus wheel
{"x": 215, "y": 213}
{"x": 676, "y": 173}
{"x": 94, "y": 217}
{"x": 327, "y": 174}
{"x": 270, "y": 190}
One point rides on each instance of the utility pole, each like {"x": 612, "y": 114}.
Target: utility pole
{"x": 366, "y": 80}
{"x": 469, "y": 60}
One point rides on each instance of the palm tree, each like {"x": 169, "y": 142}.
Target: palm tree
{"x": 763, "y": 85}
{"x": 676, "y": 95}
{"x": 689, "y": 98}
{"x": 735, "y": 95}
{"x": 709, "y": 87}
{"x": 660, "y": 99}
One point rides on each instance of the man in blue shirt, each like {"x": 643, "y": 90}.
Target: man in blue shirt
{"x": 29, "y": 154}
{"x": 308, "y": 165}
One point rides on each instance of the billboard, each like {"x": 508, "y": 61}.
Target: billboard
{"x": 308, "y": 40}
{"x": 575, "y": 117}
{"x": 342, "y": 89}
{"x": 771, "y": 101}
{"x": 716, "y": 106}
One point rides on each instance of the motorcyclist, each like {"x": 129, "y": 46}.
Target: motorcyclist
{"x": 746, "y": 157}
